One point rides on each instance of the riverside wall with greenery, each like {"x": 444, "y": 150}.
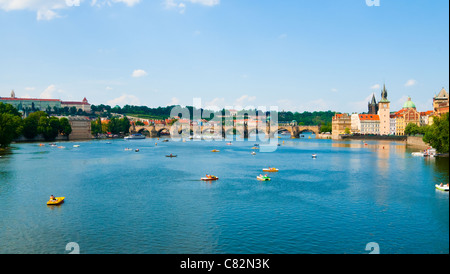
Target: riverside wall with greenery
{"x": 115, "y": 126}
{"x": 12, "y": 125}
{"x": 436, "y": 135}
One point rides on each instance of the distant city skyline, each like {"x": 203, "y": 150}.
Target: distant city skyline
{"x": 297, "y": 55}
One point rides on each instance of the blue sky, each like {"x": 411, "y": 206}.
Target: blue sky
{"x": 299, "y": 55}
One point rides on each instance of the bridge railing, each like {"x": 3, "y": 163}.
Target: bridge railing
{"x": 284, "y": 124}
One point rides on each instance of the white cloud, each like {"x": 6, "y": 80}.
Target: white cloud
{"x": 109, "y": 88}
{"x": 215, "y": 104}
{"x": 314, "y": 105}
{"x": 51, "y": 92}
{"x": 286, "y": 105}
{"x": 244, "y": 99}
{"x": 100, "y": 3}
{"x": 48, "y": 9}
{"x": 376, "y": 86}
{"x": 46, "y": 15}
{"x": 410, "y": 83}
{"x": 400, "y": 102}
{"x": 175, "y": 101}
{"x": 30, "y": 88}
{"x": 139, "y": 73}
{"x": 282, "y": 36}
{"x": 125, "y": 99}
{"x": 181, "y": 6}
{"x": 360, "y": 106}
{"x": 48, "y": 92}
{"x": 334, "y": 90}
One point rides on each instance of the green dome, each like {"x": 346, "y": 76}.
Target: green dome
{"x": 409, "y": 104}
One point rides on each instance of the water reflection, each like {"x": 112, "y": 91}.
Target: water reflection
{"x": 142, "y": 202}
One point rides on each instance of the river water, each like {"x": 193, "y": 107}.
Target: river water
{"x": 120, "y": 201}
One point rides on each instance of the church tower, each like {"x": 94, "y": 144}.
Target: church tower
{"x": 13, "y": 94}
{"x": 373, "y": 106}
{"x": 384, "y": 112}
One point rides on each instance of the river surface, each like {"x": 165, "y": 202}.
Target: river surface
{"x": 120, "y": 201}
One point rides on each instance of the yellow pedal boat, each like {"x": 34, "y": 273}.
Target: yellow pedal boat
{"x": 58, "y": 201}
{"x": 271, "y": 169}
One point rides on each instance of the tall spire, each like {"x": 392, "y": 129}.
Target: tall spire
{"x": 374, "y": 101}
{"x": 384, "y": 94}
{"x": 373, "y": 106}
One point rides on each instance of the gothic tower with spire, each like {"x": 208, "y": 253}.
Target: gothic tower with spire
{"x": 384, "y": 113}
{"x": 373, "y": 106}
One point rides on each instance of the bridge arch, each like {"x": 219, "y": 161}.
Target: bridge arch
{"x": 284, "y": 129}
{"x": 161, "y": 131}
{"x": 232, "y": 131}
{"x": 144, "y": 131}
{"x": 255, "y": 130}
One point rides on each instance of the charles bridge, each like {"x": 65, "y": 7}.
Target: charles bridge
{"x": 244, "y": 130}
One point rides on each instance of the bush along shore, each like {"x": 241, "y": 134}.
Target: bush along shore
{"x": 14, "y": 127}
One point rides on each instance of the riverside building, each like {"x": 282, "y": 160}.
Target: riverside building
{"x": 26, "y": 105}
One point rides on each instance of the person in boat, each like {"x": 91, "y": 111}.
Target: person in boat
{"x": 52, "y": 198}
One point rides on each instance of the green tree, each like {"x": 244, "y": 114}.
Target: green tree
{"x": 96, "y": 127}
{"x": 64, "y": 127}
{"x": 30, "y": 124}
{"x": 73, "y": 110}
{"x": 437, "y": 134}
{"x": 347, "y": 130}
{"x": 10, "y": 109}
{"x": 125, "y": 125}
{"x": 10, "y": 124}
{"x": 114, "y": 125}
{"x": 48, "y": 127}
{"x": 326, "y": 128}
{"x": 412, "y": 129}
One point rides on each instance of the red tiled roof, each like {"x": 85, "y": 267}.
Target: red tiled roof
{"x": 372, "y": 117}
{"x": 426, "y": 113}
{"x": 74, "y": 103}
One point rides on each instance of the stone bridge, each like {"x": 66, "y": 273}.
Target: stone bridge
{"x": 243, "y": 131}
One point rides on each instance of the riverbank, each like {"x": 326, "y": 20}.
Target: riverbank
{"x": 374, "y": 137}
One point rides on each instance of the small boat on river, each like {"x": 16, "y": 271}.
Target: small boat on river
{"x": 442, "y": 187}
{"x": 58, "y": 201}
{"x": 263, "y": 178}
{"x": 136, "y": 136}
{"x": 210, "y": 178}
{"x": 270, "y": 169}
